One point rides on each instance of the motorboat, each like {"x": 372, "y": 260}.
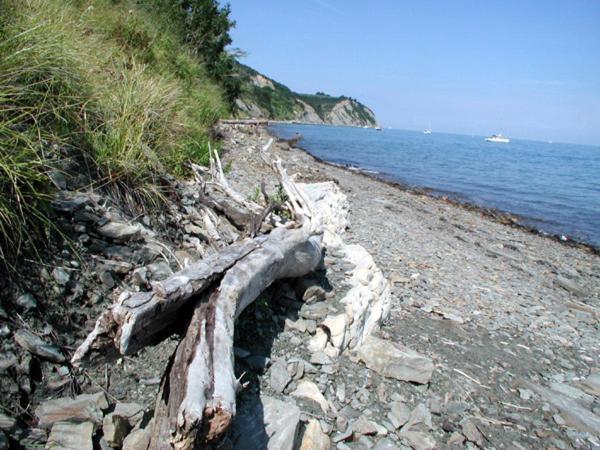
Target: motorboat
{"x": 497, "y": 138}
{"x": 428, "y": 131}
{"x": 378, "y": 128}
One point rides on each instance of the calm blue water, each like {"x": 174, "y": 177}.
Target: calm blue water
{"x": 553, "y": 187}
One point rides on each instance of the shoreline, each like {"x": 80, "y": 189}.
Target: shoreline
{"x": 494, "y": 214}
{"x": 465, "y": 289}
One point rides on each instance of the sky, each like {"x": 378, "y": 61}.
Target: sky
{"x": 527, "y": 69}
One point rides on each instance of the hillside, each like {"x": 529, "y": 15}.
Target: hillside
{"x": 262, "y": 97}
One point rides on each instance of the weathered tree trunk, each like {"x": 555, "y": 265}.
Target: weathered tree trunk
{"x": 196, "y": 403}
{"x": 197, "y": 399}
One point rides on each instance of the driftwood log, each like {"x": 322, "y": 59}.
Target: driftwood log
{"x": 196, "y": 401}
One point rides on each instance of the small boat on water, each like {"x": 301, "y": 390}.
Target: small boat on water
{"x": 427, "y": 131}
{"x": 378, "y": 128}
{"x": 497, "y": 138}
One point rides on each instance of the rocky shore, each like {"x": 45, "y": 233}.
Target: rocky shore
{"x": 508, "y": 318}
{"x": 428, "y": 326}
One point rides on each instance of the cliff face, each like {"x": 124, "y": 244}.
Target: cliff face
{"x": 264, "y": 98}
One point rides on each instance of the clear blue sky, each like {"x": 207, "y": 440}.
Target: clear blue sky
{"x": 526, "y": 68}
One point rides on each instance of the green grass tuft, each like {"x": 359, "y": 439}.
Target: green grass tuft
{"x": 106, "y": 78}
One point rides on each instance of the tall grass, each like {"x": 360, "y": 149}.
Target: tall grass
{"x": 42, "y": 92}
{"x": 105, "y": 78}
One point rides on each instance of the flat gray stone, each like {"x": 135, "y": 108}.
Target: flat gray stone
{"x": 314, "y": 311}
{"x": 115, "y": 428}
{"x": 27, "y": 301}
{"x": 120, "y": 231}
{"x": 137, "y": 440}
{"x": 279, "y": 376}
{"x": 314, "y": 438}
{"x": 320, "y": 358}
{"x": 570, "y": 285}
{"x": 395, "y": 361}
{"x": 591, "y": 384}
{"x": 131, "y": 412}
{"x": 309, "y": 391}
{"x": 363, "y": 426}
{"x": 419, "y": 440}
{"x": 61, "y": 276}
{"x": 385, "y": 444}
{"x": 399, "y": 414}
{"x": 265, "y": 423}
{"x": 471, "y": 432}
{"x": 37, "y": 346}
{"x": 419, "y": 420}
{"x": 70, "y": 436}
{"x": 83, "y": 408}
{"x": 573, "y": 413}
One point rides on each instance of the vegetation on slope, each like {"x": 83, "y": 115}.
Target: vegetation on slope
{"x": 281, "y": 103}
{"x": 129, "y": 89}
{"x": 277, "y": 100}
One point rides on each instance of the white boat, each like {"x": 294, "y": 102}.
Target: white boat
{"x": 497, "y": 138}
{"x": 427, "y": 131}
{"x": 378, "y": 128}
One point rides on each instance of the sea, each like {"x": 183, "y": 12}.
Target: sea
{"x": 553, "y": 187}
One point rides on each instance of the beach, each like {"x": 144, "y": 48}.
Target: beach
{"x": 509, "y": 317}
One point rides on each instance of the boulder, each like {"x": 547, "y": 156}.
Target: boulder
{"x": 395, "y": 361}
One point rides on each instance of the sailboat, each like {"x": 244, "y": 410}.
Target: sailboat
{"x": 428, "y": 130}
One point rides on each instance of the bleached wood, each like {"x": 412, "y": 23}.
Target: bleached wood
{"x": 137, "y": 317}
{"x": 196, "y": 403}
